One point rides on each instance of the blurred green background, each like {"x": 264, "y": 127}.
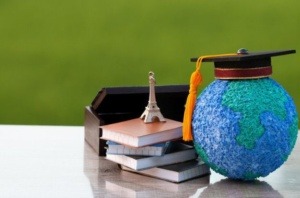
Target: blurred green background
{"x": 56, "y": 55}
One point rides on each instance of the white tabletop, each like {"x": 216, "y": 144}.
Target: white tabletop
{"x": 55, "y": 161}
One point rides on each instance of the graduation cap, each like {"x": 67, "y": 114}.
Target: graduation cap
{"x": 240, "y": 65}
{"x": 243, "y": 64}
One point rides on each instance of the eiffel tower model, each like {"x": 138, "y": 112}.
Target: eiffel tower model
{"x": 152, "y": 112}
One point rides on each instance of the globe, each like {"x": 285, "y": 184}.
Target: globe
{"x": 244, "y": 129}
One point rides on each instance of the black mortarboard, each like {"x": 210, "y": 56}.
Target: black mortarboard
{"x": 244, "y": 65}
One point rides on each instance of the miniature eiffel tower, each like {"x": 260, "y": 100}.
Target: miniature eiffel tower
{"x": 152, "y": 112}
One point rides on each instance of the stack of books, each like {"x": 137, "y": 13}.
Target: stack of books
{"x": 152, "y": 149}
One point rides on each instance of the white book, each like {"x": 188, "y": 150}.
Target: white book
{"x": 176, "y": 152}
{"x": 151, "y": 150}
{"x": 178, "y": 172}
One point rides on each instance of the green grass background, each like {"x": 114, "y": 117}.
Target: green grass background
{"x": 55, "y": 55}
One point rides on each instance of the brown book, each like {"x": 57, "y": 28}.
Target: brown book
{"x": 136, "y": 133}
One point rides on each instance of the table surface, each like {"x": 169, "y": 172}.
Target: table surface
{"x": 55, "y": 161}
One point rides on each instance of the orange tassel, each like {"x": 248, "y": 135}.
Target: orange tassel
{"x": 195, "y": 81}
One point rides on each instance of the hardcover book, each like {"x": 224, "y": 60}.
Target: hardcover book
{"x": 136, "y": 133}
{"x": 176, "y": 152}
{"x": 151, "y": 150}
{"x": 177, "y": 173}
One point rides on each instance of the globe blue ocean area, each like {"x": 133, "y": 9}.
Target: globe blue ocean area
{"x": 244, "y": 129}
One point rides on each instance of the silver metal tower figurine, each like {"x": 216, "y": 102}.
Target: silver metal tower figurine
{"x": 152, "y": 112}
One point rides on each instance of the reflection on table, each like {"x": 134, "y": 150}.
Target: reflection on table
{"x": 55, "y": 161}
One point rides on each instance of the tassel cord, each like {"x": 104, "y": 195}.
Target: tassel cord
{"x": 195, "y": 81}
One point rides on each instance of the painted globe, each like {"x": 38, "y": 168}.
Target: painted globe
{"x": 244, "y": 129}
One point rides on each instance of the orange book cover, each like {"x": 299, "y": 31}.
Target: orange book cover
{"x": 136, "y": 133}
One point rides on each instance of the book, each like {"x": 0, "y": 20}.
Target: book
{"x": 136, "y": 133}
{"x": 177, "y": 173}
{"x": 151, "y": 150}
{"x": 176, "y": 152}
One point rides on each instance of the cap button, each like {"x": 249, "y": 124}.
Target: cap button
{"x": 242, "y": 51}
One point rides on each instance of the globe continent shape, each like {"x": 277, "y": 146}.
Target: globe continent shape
{"x": 244, "y": 129}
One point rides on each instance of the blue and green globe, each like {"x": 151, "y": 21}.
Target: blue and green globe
{"x": 244, "y": 129}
